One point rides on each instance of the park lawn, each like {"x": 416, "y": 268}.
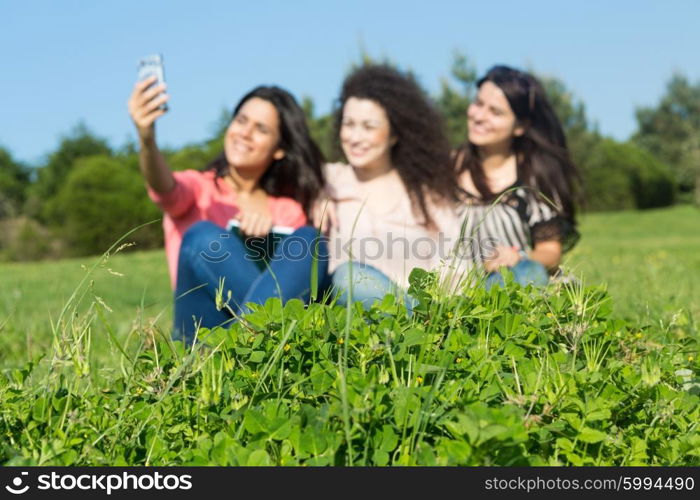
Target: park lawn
{"x": 648, "y": 260}
{"x": 502, "y": 377}
{"x": 135, "y": 286}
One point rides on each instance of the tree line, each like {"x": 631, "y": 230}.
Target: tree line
{"x": 86, "y": 193}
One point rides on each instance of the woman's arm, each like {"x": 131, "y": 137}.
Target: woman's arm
{"x": 323, "y": 211}
{"x": 154, "y": 168}
{"x": 144, "y": 108}
{"x": 548, "y": 253}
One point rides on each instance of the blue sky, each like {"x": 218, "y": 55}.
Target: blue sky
{"x": 67, "y": 61}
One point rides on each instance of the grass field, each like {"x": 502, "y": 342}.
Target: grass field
{"x": 565, "y": 375}
{"x": 650, "y": 262}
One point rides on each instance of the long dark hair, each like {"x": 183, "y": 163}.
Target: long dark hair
{"x": 421, "y": 154}
{"x": 298, "y": 175}
{"x": 544, "y": 163}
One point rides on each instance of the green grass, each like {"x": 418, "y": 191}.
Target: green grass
{"x": 649, "y": 261}
{"x": 33, "y": 294}
{"x": 507, "y": 377}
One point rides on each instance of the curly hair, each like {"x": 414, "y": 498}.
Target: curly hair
{"x": 298, "y": 175}
{"x": 421, "y": 154}
{"x": 544, "y": 163}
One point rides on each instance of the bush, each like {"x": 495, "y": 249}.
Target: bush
{"x": 619, "y": 176}
{"x": 24, "y": 239}
{"x": 102, "y": 199}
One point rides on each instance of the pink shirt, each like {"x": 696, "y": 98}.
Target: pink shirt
{"x": 197, "y": 197}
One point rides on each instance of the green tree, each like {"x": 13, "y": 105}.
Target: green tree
{"x": 453, "y": 101}
{"x": 322, "y": 130}
{"x": 671, "y": 131}
{"x": 583, "y": 141}
{"x": 193, "y": 156}
{"x": 101, "y": 199}
{"x": 570, "y": 110}
{"x": 581, "y": 136}
{"x": 14, "y": 179}
{"x": 80, "y": 143}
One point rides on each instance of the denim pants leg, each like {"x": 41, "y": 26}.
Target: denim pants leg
{"x": 368, "y": 285}
{"x": 524, "y": 272}
{"x": 288, "y": 275}
{"x": 209, "y": 253}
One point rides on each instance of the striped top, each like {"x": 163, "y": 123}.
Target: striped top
{"x": 518, "y": 218}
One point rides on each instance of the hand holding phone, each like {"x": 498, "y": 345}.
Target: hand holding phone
{"x": 153, "y": 66}
{"x": 148, "y": 99}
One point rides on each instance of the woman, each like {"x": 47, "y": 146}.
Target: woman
{"x": 518, "y": 180}
{"x": 268, "y": 175}
{"x": 387, "y": 202}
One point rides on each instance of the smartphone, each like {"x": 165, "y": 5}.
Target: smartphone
{"x": 233, "y": 225}
{"x": 153, "y": 65}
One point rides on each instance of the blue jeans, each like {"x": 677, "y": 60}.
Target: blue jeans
{"x": 209, "y": 253}
{"x": 369, "y": 284}
{"x": 524, "y": 272}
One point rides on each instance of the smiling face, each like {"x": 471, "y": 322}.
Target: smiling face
{"x": 253, "y": 136}
{"x": 365, "y": 134}
{"x": 490, "y": 119}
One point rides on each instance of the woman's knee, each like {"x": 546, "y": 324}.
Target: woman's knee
{"x": 368, "y": 284}
{"x": 304, "y": 243}
{"x": 526, "y": 272}
{"x": 203, "y": 238}
{"x": 342, "y": 274}
{"x": 530, "y": 271}
{"x": 364, "y": 278}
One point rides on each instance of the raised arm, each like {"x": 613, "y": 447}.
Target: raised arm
{"x": 144, "y": 108}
